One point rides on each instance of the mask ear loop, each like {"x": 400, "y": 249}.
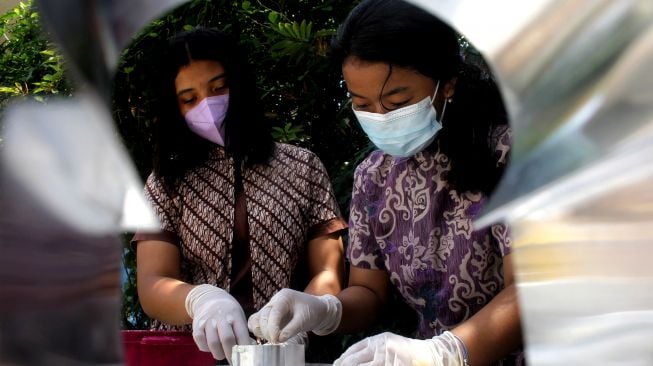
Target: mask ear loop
{"x": 437, "y": 86}
{"x": 444, "y": 108}
{"x": 444, "y": 105}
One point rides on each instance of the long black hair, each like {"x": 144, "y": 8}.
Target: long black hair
{"x": 247, "y": 138}
{"x": 401, "y": 34}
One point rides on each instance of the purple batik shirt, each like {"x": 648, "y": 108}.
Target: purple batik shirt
{"x": 406, "y": 219}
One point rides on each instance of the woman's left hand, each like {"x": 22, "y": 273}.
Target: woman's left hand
{"x": 389, "y": 349}
{"x": 291, "y": 312}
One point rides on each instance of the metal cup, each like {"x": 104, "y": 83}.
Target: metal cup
{"x": 268, "y": 355}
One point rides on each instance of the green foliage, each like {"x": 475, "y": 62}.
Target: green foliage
{"x": 288, "y": 133}
{"x": 30, "y": 64}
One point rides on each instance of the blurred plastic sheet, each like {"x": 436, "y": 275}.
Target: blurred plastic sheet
{"x": 577, "y": 81}
{"x": 67, "y": 189}
{"x": 67, "y": 155}
{"x": 92, "y": 33}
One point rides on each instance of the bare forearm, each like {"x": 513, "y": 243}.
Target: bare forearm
{"x": 325, "y": 265}
{"x": 494, "y": 331}
{"x": 360, "y": 307}
{"x": 163, "y": 298}
{"x": 325, "y": 282}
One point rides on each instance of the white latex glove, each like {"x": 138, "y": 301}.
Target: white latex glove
{"x": 301, "y": 338}
{"x": 389, "y": 349}
{"x": 218, "y": 321}
{"x": 290, "y": 312}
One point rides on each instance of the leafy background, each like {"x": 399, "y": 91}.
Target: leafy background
{"x": 29, "y": 62}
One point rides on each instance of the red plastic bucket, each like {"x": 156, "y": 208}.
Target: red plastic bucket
{"x": 163, "y": 348}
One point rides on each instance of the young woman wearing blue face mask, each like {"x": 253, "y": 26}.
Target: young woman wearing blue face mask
{"x": 443, "y": 141}
{"x": 239, "y": 213}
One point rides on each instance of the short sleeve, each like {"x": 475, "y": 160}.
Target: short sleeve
{"x": 362, "y": 251}
{"x": 166, "y": 210}
{"x": 323, "y": 215}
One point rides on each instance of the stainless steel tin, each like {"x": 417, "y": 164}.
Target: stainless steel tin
{"x": 268, "y": 355}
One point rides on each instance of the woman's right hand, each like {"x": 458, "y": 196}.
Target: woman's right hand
{"x": 290, "y": 312}
{"x": 218, "y": 321}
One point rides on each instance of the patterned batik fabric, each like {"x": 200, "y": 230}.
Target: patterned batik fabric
{"x": 289, "y": 202}
{"x": 406, "y": 219}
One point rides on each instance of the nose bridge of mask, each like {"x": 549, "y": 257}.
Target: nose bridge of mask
{"x": 208, "y": 109}
{"x": 200, "y": 113}
{"x": 390, "y": 130}
{"x": 396, "y": 123}
{"x": 404, "y": 112}
{"x": 217, "y": 99}
{"x": 217, "y": 106}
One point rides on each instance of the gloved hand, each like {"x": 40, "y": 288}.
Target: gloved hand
{"x": 389, "y": 349}
{"x": 290, "y": 312}
{"x": 218, "y": 321}
{"x": 300, "y": 338}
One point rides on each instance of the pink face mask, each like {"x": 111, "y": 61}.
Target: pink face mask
{"x": 207, "y": 118}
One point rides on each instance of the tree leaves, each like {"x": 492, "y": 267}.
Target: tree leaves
{"x": 299, "y": 31}
{"x": 288, "y": 133}
{"x": 30, "y": 64}
{"x": 273, "y": 16}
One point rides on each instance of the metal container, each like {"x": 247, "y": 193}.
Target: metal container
{"x": 268, "y": 355}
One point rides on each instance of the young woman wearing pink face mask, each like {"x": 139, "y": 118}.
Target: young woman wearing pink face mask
{"x": 238, "y": 212}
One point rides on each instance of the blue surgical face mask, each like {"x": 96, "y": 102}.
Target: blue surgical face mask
{"x": 405, "y": 131}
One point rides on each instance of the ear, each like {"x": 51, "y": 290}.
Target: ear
{"x": 450, "y": 88}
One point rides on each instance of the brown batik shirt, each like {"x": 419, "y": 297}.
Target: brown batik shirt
{"x": 287, "y": 202}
